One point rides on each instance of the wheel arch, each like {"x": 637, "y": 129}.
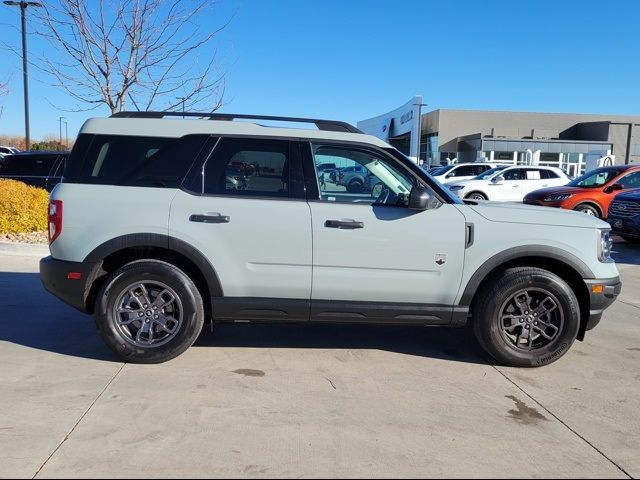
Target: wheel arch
{"x": 119, "y": 251}
{"x": 591, "y": 203}
{"x": 477, "y": 191}
{"x": 564, "y": 264}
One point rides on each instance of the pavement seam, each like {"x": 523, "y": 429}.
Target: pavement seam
{"x": 630, "y": 304}
{"x": 66, "y": 437}
{"x": 581, "y": 437}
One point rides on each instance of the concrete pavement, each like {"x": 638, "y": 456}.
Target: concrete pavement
{"x": 311, "y": 401}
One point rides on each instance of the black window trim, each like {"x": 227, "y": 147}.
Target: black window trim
{"x": 198, "y": 167}
{"x": 313, "y": 190}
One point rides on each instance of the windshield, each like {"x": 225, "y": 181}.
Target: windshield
{"x": 490, "y": 173}
{"x": 596, "y": 178}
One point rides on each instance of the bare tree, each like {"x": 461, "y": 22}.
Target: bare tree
{"x": 153, "y": 53}
{"x": 4, "y": 89}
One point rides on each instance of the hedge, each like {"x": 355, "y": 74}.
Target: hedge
{"x": 22, "y": 208}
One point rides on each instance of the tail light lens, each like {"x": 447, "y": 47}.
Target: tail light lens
{"x": 55, "y": 220}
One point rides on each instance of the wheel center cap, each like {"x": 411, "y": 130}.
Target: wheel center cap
{"x": 148, "y": 313}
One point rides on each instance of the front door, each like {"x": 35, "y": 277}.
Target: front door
{"x": 249, "y": 218}
{"x": 374, "y": 259}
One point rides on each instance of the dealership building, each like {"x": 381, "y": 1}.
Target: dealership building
{"x": 573, "y": 142}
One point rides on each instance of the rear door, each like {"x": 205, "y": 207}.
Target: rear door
{"x": 373, "y": 258}
{"x": 255, "y": 230}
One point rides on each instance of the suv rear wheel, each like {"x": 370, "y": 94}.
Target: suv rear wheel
{"x": 355, "y": 186}
{"x": 149, "y": 312}
{"x": 529, "y": 317}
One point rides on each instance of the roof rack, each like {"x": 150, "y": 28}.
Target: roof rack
{"x": 326, "y": 125}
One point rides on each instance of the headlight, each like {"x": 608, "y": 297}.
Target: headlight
{"x": 605, "y": 245}
{"x": 558, "y": 198}
{"x": 455, "y": 188}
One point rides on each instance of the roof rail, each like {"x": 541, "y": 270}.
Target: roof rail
{"x": 326, "y": 125}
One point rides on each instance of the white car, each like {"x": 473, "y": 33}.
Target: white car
{"x": 8, "y": 150}
{"x": 509, "y": 184}
{"x": 461, "y": 171}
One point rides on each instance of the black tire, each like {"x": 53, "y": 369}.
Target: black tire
{"x": 355, "y": 186}
{"x": 588, "y": 209}
{"x": 634, "y": 240}
{"x": 149, "y": 272}
{"x": 476, "y": 196}
{"x": 488, "y": 322}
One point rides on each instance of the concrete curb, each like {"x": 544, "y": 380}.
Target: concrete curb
{"x": 24, "y": 249}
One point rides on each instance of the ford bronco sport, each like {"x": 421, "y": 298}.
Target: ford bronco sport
{"x": 147, "y": 233}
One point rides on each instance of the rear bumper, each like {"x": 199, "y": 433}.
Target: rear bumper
{"x": 54, "y": 275}
{"x": 599, "y": 302}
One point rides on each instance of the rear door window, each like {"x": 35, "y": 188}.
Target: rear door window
{"x": 140, "y": 161}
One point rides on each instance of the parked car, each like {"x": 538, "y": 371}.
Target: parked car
{"x": 592, "y": 193}
{"x": 154, "y": 247}
{"x": 4, "y": 150}
{"x": 461, "y": 171}
{"x": 624, "y": 215}
{"x": 235, "y": 180}
{"x": 357, "y": 179}
{"x": 40, "y": 169}
{"x": 509, "y": 183}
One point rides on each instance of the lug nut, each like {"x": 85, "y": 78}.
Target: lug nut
{"x": 140, "y": 314}
{"x": 155, "y": 316}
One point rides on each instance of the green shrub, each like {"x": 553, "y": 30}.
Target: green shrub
{"x": 22, "y": 208}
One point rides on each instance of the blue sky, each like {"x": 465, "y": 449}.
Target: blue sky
{"x": 353, "y": 59}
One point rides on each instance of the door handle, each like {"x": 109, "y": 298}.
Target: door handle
{"x": 344, "y": 224}
{"x": 209, "y": 218}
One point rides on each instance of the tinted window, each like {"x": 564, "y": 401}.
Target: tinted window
{"x": 630, "y": 181}
{"x": 140, "y": 161}
{"x": 513, "y": 174}
{"x": 249, "y": 167}
{"x": 28, "y": 165}
{"x": 466, "y": 171}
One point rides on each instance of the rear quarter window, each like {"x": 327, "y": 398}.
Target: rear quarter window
{"x": 134, "y": 160}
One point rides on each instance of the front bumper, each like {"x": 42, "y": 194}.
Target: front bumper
{"x": 601, "y": 298}
{"x": 55, "y": 277}
{"x": 627, "y": 226}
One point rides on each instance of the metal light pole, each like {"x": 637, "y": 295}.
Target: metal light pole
{"x": 60, "y": 121}
{"x": 23, "y": 10}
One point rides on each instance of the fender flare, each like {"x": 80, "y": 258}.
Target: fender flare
{"x": 514, "y": 253}
{"x": 98, "y": 254}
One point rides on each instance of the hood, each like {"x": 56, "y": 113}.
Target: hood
{"x": 631, "y": 195}
{"x": 546, "y": 192}
{"x": 533, "y": 215}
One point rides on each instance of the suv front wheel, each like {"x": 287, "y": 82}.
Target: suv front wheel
{"x": 529, "y": 317}
{"x": 149, "y": 312}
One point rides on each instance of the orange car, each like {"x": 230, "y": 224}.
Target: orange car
{"x": 591, "y": 193}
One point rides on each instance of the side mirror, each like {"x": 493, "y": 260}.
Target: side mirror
{"x": 616, "y": 187}
{"x": 497, "y": 179}
{"x": 451, "y": 175}
{"x": 421, "y": 199}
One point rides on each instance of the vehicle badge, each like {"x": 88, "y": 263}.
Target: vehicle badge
{"x": 441, "y": 258}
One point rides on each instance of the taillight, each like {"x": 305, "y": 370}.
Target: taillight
{"x": 55, "y": 220}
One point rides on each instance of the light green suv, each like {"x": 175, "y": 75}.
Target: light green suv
{"x": 146, "y": 234}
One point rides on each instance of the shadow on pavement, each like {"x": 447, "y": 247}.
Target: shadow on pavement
{"x": 626, "y": 253}
{"x": 34, "y": 318}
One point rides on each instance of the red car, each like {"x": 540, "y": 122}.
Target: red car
{"x": 591, "y": 193}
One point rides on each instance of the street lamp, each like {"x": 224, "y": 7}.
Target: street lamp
{"x": 23, "y": 8}
{"x": 60, "y": 119}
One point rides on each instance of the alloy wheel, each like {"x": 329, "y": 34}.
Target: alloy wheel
{"x": 148, "y": 314}
{"x": 531, "y": 319}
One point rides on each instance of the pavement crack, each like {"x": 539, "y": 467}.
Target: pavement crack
{"x": 630, "y": 304}
{"x": 332, "y": 384}
{"x": 581, "y": 437}
{"x": 75, "y": 425}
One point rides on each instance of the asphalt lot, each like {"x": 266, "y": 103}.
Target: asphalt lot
{"x": 311, "y": 401}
